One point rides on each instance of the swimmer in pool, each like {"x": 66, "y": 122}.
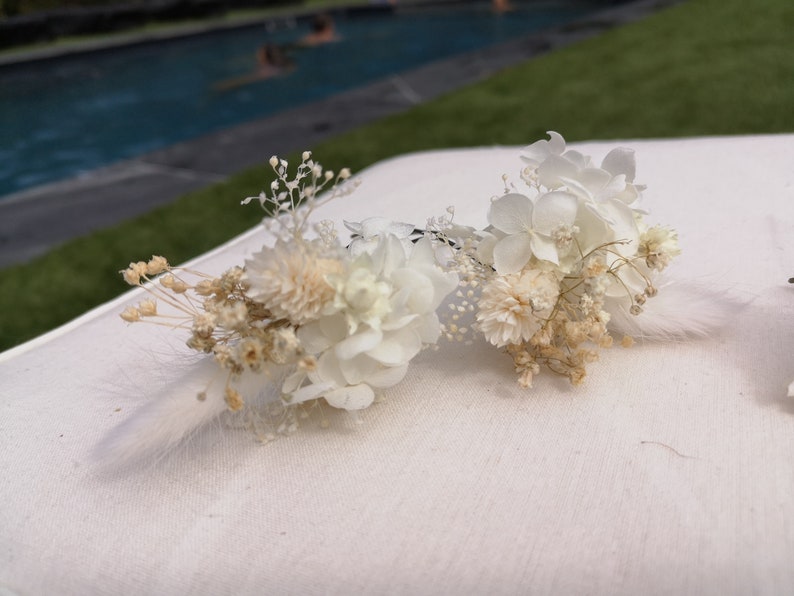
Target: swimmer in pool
{"x": 271, "y": 61}
{"x": 323, "y": 31}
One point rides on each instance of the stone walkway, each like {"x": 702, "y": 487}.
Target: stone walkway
{"x": 34, "y": 221}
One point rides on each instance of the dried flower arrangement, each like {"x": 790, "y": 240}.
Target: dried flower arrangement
{"x": 566, "y": 255}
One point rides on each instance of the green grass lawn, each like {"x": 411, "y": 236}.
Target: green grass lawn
{"x": 706, "y": 67}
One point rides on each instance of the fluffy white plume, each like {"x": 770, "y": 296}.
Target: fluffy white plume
{"x": 173, "y": 414}
{"x": 680, "y": 310}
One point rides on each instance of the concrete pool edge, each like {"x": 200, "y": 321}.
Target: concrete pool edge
{"x": 34, "y": 221}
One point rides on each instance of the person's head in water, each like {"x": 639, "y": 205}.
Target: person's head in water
{"x": 272, "y": 55}
{"x": 323, "y": 31}
{"x": 322, "y": 23}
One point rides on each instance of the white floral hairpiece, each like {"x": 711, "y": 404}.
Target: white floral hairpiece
{"x": 566, "y": 252}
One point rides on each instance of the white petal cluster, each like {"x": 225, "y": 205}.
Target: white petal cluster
{"x": 570, "y": 208}
{"x": 382, "y": 314}
{"x": 529, "y": 228}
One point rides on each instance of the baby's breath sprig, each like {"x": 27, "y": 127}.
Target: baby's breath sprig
{"x": 292, "y": 199}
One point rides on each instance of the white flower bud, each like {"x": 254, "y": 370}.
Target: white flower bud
{"x": 306, "y": 155}
{"x": 273, "y": 161}
{"x": 344, "y": 173}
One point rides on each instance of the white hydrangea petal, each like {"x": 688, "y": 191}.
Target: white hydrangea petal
{"x": 629, "y": 196}
{"x": 600, "y": 213}
{"x": 624, "y": 225}
{"x": 360, "y": 246}
{"x": 444, "y": 283}
{"x": 556, "y": 142}
{"x": 421, "y": 253}
{"x": 544, "y": 249}
{"x": 612, "y": 189}
{"x": 377, "y": 226}
{"x": 592, "y": 229}
{"x": 554, "y": 169}
{"x": 360, "y": 342}
{"x": 594, "y": 179}
{"x": 389, "y": 255}
{"x": 312, "y": 391}
{"x": 423, "y": 260}
{"x": 511, "y": 253}
{"x": 328, "y": 370}
{"x": 393, "y": 323}
{"x": 554, "y": 209}
{"x": 334, "y": 327}
{"x": 313, "y": 337}
{"x": 429, "y": 328}
{"x": 621, "y": 160}
{"x": 578, "y": 189}
{"x": 580, "y": 160}
{"x": 387, "y": 376}
{"x": 540, "y": 150}
{"x": 354, "y": 226}
{"x": 356, "y": 370}
{"x": 416, "y": 289}
{"x": 486, "y": 245}
{"x": 351, "y": 397}
{"x": 511, "y": 213}
{"x": 397, "y": 347}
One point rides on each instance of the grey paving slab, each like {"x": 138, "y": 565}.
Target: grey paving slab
{"x": 35, "y": 221}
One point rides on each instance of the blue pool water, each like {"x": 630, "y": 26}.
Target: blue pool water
{"x": 61, "y": 117}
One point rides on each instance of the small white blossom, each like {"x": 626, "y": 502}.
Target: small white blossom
{"x": 366, "y": 234}
{"x": 529, "y": 228}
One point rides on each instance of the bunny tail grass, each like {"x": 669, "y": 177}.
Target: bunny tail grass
{"x": 680, "y": 310}
{"x": 173, "y": 414}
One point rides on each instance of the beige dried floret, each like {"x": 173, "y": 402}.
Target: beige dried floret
{"x": 234, "y": 400}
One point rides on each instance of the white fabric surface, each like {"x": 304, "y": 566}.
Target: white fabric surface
{"x": 461, "y": 482}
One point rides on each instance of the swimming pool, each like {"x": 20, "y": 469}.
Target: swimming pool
{"x": 64, "y": 116}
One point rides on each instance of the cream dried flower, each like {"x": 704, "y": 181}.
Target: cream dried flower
{"x": 291, "y": 280}
{"x": 658, "y": 245}
{"x": 513, "y": 307}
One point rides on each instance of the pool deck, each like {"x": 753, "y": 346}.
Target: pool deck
{"x": 34, "y": 221}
